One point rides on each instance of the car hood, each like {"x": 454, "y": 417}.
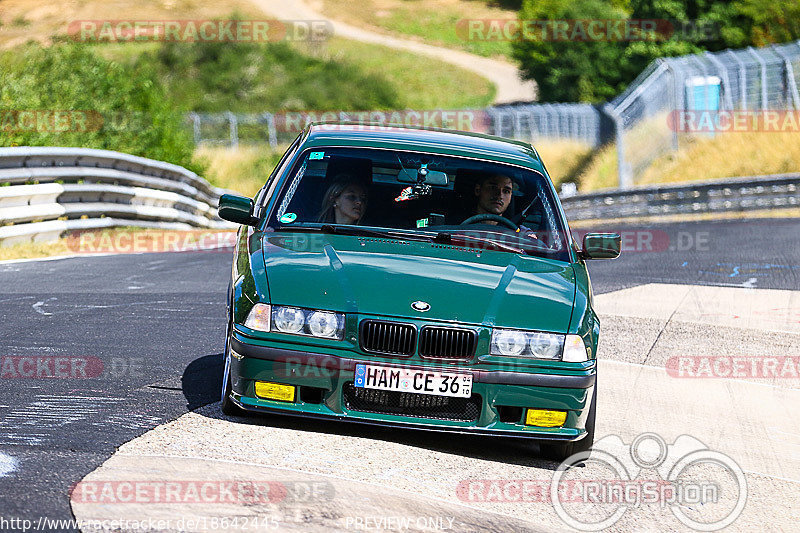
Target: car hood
{"x": 384, "y": 276}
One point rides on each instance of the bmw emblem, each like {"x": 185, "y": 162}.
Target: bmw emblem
{"x": 421, "y": 306}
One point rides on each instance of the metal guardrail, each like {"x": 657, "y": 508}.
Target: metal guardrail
{"x": 46, "y": 191}
{"x": 715, "y": 196}
{"x": 122, "y": 190}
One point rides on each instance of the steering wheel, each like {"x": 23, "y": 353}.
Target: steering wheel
{"x": 475, "y": 219}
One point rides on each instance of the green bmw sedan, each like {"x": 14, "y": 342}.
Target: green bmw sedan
{"x": 414, "y": 278}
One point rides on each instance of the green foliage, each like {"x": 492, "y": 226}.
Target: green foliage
{"x": 761, "y": 22}
{"x": 20, "y": 22}
{"x": 592, "y": 71}
{"x": 102, "y": 104}
{"x": 595, "y": 71}
{"x": 71, "y": 95}
{"x": 248, "y": 77}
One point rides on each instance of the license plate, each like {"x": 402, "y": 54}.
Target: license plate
{"x": 416, "y": 381}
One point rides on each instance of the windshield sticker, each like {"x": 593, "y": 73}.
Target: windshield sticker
{"x": 293, "y": 187}
{"x": 316, "y": 155}
{"x": 422, "y": 223}
{"x": 288, "y": 218}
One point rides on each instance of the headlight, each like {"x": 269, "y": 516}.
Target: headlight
{"x": 575, "y": 350}
{"x": 288, "y": 319}
{"x": 258, "y": 318}
{"x": 311, "y": 322}
{"x": 545, "y": 345}
{"x": 508, "y": 342}
{"x": 527, "y": 344}
{"x": 323, "y": 324}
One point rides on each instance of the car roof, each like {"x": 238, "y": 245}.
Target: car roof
{"x": 440, "y": 141}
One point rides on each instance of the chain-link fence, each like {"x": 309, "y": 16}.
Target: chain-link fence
{"x": 232, "y": 128}
{"x": 702, "y": 94}
{"x": 583, "y": 123}
{"x": 699, "y": 94}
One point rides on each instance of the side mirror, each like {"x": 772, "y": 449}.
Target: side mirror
{"x": 601, "y": 246}
{"x": 237, "y": 209}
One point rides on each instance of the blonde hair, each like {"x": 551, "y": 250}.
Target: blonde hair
{"x": 340, "y": 183}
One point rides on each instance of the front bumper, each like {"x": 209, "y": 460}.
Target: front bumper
{"x": 325, "y": 381}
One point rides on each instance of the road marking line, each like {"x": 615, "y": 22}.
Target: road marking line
{"x": 8, "y": 464}
{"x": 54, "y": 258}
{"x": 790, "y": 480}
{"x": 38, "y": 307}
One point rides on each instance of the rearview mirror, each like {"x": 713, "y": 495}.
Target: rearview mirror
{"x": 432, "y": 177}
{"x": 601, "y": 246}
{"x": 236, "y": 209}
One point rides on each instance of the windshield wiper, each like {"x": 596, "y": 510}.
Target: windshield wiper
{"x": 441, "y": 237}
{"x": 448, "y": 237}
{"x": 348, "y": 229}
{"x": 341, "y": 229}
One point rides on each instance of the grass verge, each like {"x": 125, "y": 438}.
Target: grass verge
{"x": 243, "y": 170}
{"x": 436, "y": 22}
{"x": 564, "y": 160}
{"x": 421, "y": 82}
{"x": 727, "y": 155}
{"x": 123, "y": 240}
{"x": 34, "y": 250}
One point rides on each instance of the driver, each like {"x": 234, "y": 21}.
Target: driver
{"x": 494, "y": 195}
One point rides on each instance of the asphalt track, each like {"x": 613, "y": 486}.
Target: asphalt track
{"x": 150, "y": 330}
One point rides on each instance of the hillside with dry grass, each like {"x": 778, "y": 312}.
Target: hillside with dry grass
{"x": 24, "y": 20}
{"x": 700, "y": 158}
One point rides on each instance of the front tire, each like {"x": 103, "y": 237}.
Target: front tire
{"x": 559, "y": 452}
{"x": 228, "y": 407}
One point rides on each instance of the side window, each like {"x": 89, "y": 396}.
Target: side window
{"x": 269, "y": 186}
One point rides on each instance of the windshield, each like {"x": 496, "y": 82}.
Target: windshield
{"x": 420, "y": 196}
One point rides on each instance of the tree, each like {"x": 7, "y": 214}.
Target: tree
{"x": 103, "y": 104}
{"x": 598, "y": 70}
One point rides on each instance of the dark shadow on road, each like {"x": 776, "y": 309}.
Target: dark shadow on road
{"x": 201, "y": 386}
{"x": 200, "y": 381}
